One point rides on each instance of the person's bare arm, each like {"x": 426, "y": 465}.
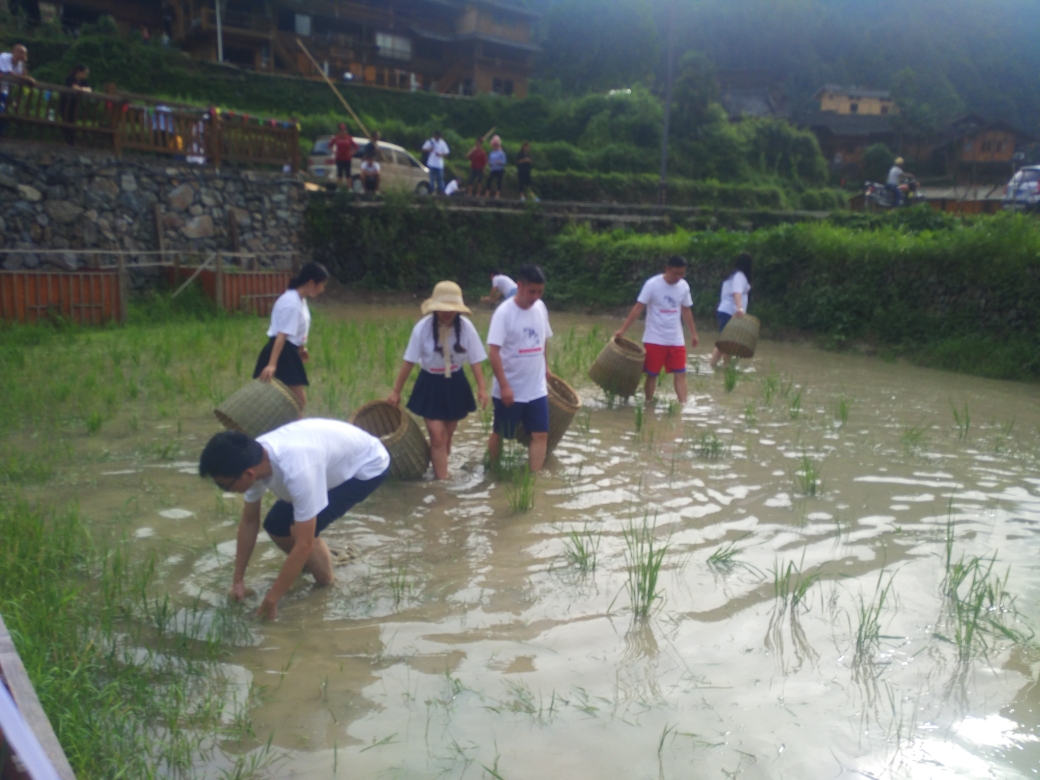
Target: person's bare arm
{"x": 248, "y": 528}
{"x": 394, "y": 399}
{"x": 478, "y": 375}
{"x": 545, "y": 354}
{"x": 272, "y": 364}
{"x": 687, "y": 315}
{"x": 303, "y": 545}
{"x": 495, "y": 358}
{"x": 633, "y": 315}
{"x": 738, "y": 299}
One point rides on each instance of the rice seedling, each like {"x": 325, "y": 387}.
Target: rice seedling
{"x": 1003, "y": 435}
{"x": 520, "y": 490}
{"x": 807, "y": 477}
{"x": 770, "y": 387}
{"x": 750, "y": 414}
{"x": 639, "y": 417}
{"x": 913, "y": 436}
{"x": 710, "y": 447}
{"x": 794, "y": 408}
{"x": 583, "y": 421}
{"x": 791, "y": 585}
{"x": 644, "y": 554}
{"x": 841, "y": 410}
{"x": 730, "y": 375}
{"x": 672, "y": 409}
{"x": 868, "y": 628}
{"x": 609, "y": 398}
{"x": 400, "y": 583}
{"x": 724, "y": 558}
{"x": 962, "y": 419}
{"x": 581, "y": 548}
{"x": 94, "y": 421}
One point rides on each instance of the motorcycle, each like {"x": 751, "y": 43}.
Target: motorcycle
{"x": 880, "y": 196}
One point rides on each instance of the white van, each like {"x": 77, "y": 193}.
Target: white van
{"x": 399, "y": 169}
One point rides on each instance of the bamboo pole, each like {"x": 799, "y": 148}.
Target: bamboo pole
{"x": 332, "y": 86}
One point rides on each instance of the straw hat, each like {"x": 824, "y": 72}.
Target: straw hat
{"x": 899, "y": 161}
{"x": 447, "y": 296}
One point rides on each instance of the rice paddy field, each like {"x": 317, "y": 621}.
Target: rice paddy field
{"x": 824, "y": 565}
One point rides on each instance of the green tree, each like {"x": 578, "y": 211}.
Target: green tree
{"x": 876, "y": 162}
{"x": 695, "y": 93}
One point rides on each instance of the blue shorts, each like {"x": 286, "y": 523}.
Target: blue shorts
{"x": 533, "y": 414}
{"x": 510, "y": 294}
{"x": 342, "y": 499}
{"x": 723, "y": 318}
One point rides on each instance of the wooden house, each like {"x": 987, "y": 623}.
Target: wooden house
{"x": 461, "y": 47}
{"x": 855, "y": 100}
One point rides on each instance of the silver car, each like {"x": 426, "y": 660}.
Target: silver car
{"x": 399, "y": 170}
{"x": 1022, "y": 193}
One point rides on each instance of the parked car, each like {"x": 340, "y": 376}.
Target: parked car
{"x": 1022, "y": 193}
{"x": 399, "y": 169}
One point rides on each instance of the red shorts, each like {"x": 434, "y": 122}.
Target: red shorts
{"x": 672, "y": 359}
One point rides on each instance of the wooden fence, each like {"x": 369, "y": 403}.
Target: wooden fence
{"x": 99, "y": 295}
{"x": 52, "y": 114}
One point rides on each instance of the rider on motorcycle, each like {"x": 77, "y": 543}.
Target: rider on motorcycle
{"x": 895, "y": 178}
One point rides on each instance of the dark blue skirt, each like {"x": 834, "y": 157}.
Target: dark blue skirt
{"x": 290, "y": 370}
{"x": 437, "y": 398}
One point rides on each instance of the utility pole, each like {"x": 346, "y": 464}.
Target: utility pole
{"x": 220, "y": 34}
{"x": 662, "y": 185}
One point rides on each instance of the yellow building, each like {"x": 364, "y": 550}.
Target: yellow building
{"x": 855, "y": 100}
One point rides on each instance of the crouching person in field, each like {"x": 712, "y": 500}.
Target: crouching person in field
{"x": 318, "y": 469}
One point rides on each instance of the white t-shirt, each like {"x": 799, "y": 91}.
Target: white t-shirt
{"x": 370, "y": 166}
{"x": 291, "y": 316}
{"x": 438, "y": 149}
{"x": 737, "y": 283}
{"x": 521, "y": 336}
{"x": 664, "y": 304}
{"x": 7, "y": 64}
{"x": 421, "y": 348}
{"x": 503, "y": 284}
{"x": 894, "y": 175}
{"x": 452, "y": 188}
{"x": 311, "y": 457}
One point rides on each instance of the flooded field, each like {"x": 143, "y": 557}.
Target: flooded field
{"x": 848, "y": 577}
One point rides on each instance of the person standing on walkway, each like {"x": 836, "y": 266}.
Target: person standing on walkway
{"x": 518, "y": 340}
{"x": 478, "y": 160}
{"x": 734, "y": 299}
{"x": 436, "y": 149}
{"x": 286, "y": 350}
{"x": 346, "y": 147}
{"x": 523, "y": 171}
{"x": 668, "y": 304}
{"x": 318, "y": 470}
{"x": 441, "y": 343}
{"x": 497, "y": 167}
{"x": 69, "y": 103}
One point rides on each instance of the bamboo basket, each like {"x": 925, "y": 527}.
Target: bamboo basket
{"x": 740, "y": 336}
{"x": 400, "y": 434}
{"x": 619, "y": 367}
{"x": 564, "y": 403}
{"x": 258, "y": 407}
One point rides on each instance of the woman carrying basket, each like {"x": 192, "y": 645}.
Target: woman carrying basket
{"x": 286, "y": 350}
{"x": 734, "y": 299}
{"x": 441, "y": 342}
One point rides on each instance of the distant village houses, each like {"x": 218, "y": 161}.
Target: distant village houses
{"x": 463, "y": 47}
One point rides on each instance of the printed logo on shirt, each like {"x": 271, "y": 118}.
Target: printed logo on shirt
{"x": 533, "y": 342}
{"x": 671, "y": 302}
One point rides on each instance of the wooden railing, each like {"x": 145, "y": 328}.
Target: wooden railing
{"x": 50, "y": 114}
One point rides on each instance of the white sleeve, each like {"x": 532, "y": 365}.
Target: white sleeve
{"x": 285, "y": 318}
{"x": 647, "y": 293}
{"x": 497, "y": 331}
{"x": 309, "y": 491}
{"x": 428, "y": 146}
{"x": 687, "y": 300}
{"x": 475, "y": 352}
{"x": 548, "y": 327}
{"x": 740, "y": 283}
{"x": 255, "y": 492}
{"x": 447, "y": 149}
{"x": 413, "y": 352}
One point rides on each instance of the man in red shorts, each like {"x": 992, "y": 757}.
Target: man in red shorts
{"x": 668, "y": 304}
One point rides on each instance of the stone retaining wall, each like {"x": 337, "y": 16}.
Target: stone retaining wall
{"x": 76, "y": 200}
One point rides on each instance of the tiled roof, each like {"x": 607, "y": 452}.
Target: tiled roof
{"x": 855, "y": 92}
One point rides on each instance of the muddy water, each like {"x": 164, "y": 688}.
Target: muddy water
{"x": 462, "y": 643}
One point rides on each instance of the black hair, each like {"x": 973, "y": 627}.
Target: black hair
{"x": 531, "y": 273}
{"x": 459, "y": 349}
{"x": 742, "y": 264}
{"x": 311, "y": 272}
{"x": 78, "y": 69}
{"x": 677, "y": 261}
{"x": 228, "y": 454}
{"x": 496, "y": 272}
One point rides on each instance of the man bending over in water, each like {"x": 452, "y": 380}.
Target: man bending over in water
{"x": 317, "y": 468}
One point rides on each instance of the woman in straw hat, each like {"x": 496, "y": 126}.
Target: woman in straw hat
{"x": 441, "y": 343}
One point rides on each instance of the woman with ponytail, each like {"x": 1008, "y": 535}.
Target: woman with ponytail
{"x": 441, "y": 343}
{"x": 286, "y": 350}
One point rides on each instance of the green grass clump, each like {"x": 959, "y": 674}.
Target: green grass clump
{"x": 520, "y": 490}
{"x": 913, "y": 436}
{"x": 791, "y": 585}
{"x": 730, "y": 375}
{"x": 644, "y": 554}
{"x": 725, "y": 557}
{"x": 639, "y": 417}
{"x": 750, "y": 413}
{"x": 81, "y": 613}
{"x": 710, "y": 447}
{"x": 962, "y": 419}
{"x": 841, "y": 409}
{"x": 581, "y": 549}
{"x": 868, "y": 627}
{"x": 807, "y": 477}
{"x": 770, "y": 387}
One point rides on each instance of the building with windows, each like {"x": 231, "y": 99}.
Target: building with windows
{"x": 460, "y": 47}
{"x": 855, "y": 100}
